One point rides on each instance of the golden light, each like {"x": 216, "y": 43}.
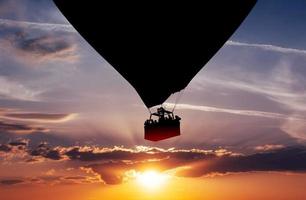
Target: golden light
{"x": 151, "y": 179}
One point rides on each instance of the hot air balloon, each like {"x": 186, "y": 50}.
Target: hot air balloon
{"x": 157, "y": 46}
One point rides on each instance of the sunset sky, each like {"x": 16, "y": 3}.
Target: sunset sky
{"x": 71, "y": 127}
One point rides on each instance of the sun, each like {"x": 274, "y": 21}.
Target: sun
{"x": 151, "y": 179}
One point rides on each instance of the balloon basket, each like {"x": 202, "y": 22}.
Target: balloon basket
{"x": 157, "y": 132}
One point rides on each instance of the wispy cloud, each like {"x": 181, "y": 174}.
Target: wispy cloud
{"x": 19, "y": 128}
{"x": 37, "y": 25}
{"x": 14, "y": 90}
{"x": 267, "y": 47}
{"x": 296, "y": 129}
{"x": 34, "y": 41}
{"x": 269, "y": 147}
{"x": 39, "y": 117}
{"x": 13, "y": 121}
{"x": 277, "y": 80}
{"x": 251, "y": 113}
{"x": 45, "y": 47}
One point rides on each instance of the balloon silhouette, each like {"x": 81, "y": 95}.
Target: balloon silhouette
{"x": 157, "y": 46}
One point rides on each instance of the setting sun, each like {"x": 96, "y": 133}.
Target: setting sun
{"x": 151, "y": 179}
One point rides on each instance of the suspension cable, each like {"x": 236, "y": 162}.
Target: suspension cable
{"x": 149, "y": 111}
{"x": 178, "y": 98}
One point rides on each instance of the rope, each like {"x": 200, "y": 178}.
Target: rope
{"x": 178, "y": 97}
{"x": 149, "y": 111}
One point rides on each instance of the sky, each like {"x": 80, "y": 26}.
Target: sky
{"x": 69, "y": 121}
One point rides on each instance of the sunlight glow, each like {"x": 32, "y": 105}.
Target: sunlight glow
{"x": 151, "y": 179}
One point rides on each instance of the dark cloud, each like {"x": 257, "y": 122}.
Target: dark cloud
{"x": 44, "y": 151}
{"x": 113, "y": 172}
{"x": 18, "y": 38}
{"x": 53, "y": 154}
{"x": 43, "y": 47}
{"x": 197, "y": 164}
{"x": 19, "y": 143}
{"x": 11, "y": 181}
{"x": 34, "y": 137}
{"x": 93, "y": 154}
{"x": 5, "y": 148}
{"x": 140, "y": 154}
{"x": 19, "y": 128}
{"x": 16, "y": 127}
{"x": 286, "y": 159}
{"x": 112, "y": 164}
{"x": 75, "y": 177}
{"x": 13, "y": 127}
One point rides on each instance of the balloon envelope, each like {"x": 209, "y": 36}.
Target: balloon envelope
{"x": 157, "y": 46}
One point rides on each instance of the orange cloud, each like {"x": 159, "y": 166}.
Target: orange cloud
{"x": 112, "y": 165}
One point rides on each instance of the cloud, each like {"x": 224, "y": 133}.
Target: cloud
{"x": 197, "y": 165}
{"x": 11, "y": 181}
{"x": 5, "y": 148}
{"x": 19, "y": 128}
{"x": 113, "y": 165}
{"x": 39, "y": 117}
{"x": 31, "y": 11}
{"x": 251, "y": 113}
{"x": 296, "y": 129}
{"x": 267, "y": 47}
{"x": 97, "y": 154}
{"x": 36, "y": 25}
{"x": 286, "y": 159}
{"x": 45, "y": 151}
{"x": 41, "y": 48}
{"x": 269, "y": 147}
{"x": 262, "y": 81}
{"x": 21, "y": 142}
{"x": 75, "y": 177}
{"x": 50, "y": 180}
{"x": 38, "y": 42}
{"x": 14, "y": 122}
{"x": 14, "y": 90}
